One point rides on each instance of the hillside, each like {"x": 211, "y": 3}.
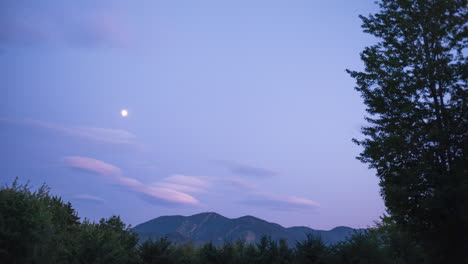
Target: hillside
{"x": 206, "y": 227}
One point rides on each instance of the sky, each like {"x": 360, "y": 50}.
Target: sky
{"x": 236, "y": 107}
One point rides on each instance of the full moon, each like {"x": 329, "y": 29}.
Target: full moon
{"x": 124, "y": 113}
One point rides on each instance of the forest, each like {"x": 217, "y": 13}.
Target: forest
{"x": 38, "y": 227}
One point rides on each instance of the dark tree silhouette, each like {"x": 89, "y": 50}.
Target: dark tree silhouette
{"x": 157, "y": 252}
{"x": 35, "y": 227}
{"x": 415, "y": 88}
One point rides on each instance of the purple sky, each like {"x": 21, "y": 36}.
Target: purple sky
{"x": 239, "y": 107}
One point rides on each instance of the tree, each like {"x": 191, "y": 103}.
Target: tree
{"x": 209, "y": 254}
{"x": 395, "y": 243}
{"x": 156, "y": 252}
{"x": 249, "y": 252}
{"x": 415, "y": 88}
{"x": 362, "y": 247}
{"x": 35, "y": 227}
{"x": 285, "y": 253}
{"x": 312, "y": 250}
{"x": 267, "y": 250}
{"x": 109, "y": 241}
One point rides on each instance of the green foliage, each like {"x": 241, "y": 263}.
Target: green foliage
{"x": 312, "y": 250}
{"x": 36, "y": 227}
{"x": 415, "y": 87}
{"x": 397, "y": 244}
{"x": 248, "y": 252}
{"x": 209, "y": 254}
{"x": 363, "y": 248}
{"x": 185, "y": 254}
{"x": 285, "y": 254}
{"x": 159, "y": 251}
{"x": 109, "y": 241}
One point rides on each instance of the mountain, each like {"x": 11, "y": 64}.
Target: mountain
{"x": 205, "y": 227}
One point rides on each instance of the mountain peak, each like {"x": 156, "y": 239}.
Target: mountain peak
{"x": 207, "y": 214}
{"x": 213, "y": 227}
{"x": 248, "y": 217}
{"x": 341, "y": 228}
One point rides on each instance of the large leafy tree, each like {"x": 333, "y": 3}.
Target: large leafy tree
{"x": 415, "y": 88}
{"x": 109, "y": 241}
{"x": 35, "y": 227}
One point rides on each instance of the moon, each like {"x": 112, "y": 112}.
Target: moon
{"x": 124, "y": 113}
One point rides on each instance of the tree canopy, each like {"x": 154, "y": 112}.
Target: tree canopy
{"x": 414, "y": 85}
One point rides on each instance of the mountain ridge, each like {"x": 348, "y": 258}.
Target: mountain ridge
{"x": 212, "y": 227}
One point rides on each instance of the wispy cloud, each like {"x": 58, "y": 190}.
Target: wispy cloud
{"x": 246, "y": 170}
{"x": 187, "y": 180}
{"x": 241, "y": 184}
{"x": 88, "y": 197}
{"x": 158, "y": 194}
{"x": 178, "y": 189}
{"x": 92, "y": 165}
{"x": 105, "y": 135}
{"x": 78, "y": 25}
{"x": 129, "y": 182}
{"x": 257, "y": 197}
{"x": 169, "y": 195}
{"x": 184, "y": 183}
{"x": 278, "y": 202}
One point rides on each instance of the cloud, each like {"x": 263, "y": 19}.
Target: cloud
{"x": 105, "y": 135}
{"x": 88, "y": 197}
{"x": 241, "y": 184}
{"x": 280, "y": 202}
{"x": 180, "y": 187}
{"x": 177, "y": 189}
{"x": 246, "y": 170}
{"x": 92, "y": 165}
{"x": 129, "y": 182}
{"x": 184, "y": 183}
{"x": 78, "y": 25}
{"x": 170, "y": 195}
{"x": 256, "y": 197}
{"x": 160, "y": 194}
{"x": 188, "y": 180}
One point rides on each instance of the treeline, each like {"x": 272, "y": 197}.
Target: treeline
{"x": 37, "y": 227}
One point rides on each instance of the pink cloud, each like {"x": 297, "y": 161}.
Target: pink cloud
{"x": 299, "y": 201}
{"x": 92, "y": 165}
{"x": 130, "y": 182}
{"x": 258, "y": 198}
{"x": 107, "y": 135}
{"x": 166, "y": 193}
{"x": 179, "y": 187}
{"x": 170, "y": 195}
{"x": 183, "y": 183}
{"x": 187, "y": 180}
{"x": 280, "y": 202}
